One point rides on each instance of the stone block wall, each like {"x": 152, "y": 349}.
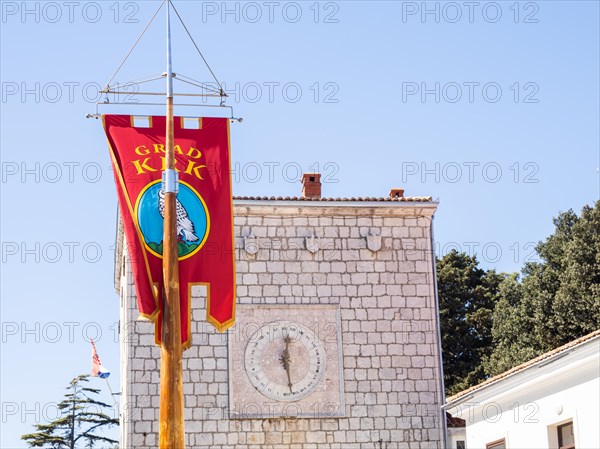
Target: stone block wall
{"x": 373, "y": 261}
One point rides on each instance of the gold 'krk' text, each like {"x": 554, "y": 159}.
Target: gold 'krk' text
{"x": 153, "y": 163}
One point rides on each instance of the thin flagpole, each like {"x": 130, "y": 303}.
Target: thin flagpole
{"x": 116, "y": 403}
{"x": 171, "y": 423}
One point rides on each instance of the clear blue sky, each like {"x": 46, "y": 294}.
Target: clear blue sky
{"x": 492, "y": 110}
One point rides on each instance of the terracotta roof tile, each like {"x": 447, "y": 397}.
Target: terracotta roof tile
{"x": 414, "y": 199}
{"x": 525, "y": 365}
{"x": 453, "y": 421}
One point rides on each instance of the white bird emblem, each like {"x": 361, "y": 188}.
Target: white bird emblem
{"x": 185, "y": 227}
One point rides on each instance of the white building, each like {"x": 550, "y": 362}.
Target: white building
{"x": 550, "y": 402}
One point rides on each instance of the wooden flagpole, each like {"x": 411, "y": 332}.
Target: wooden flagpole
{"x": 171, "y": 422}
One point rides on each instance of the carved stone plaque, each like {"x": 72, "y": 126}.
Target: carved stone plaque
{"x": 286, "y": 361}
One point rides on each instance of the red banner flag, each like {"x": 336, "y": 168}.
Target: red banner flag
{"x": 204, "y": 212}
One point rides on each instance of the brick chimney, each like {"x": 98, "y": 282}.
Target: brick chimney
{"x": 396, "y": 193}
{"x": 311, "y": 185}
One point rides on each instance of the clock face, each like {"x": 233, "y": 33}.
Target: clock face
{"x": 285, "y": 360}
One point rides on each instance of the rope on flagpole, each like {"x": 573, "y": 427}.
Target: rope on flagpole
{"x": 136, "y": 42}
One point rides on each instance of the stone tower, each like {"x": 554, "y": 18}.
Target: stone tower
{"x": 336, "y": 344}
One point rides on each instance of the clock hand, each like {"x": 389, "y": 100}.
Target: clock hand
{"x": 286, "y": 360}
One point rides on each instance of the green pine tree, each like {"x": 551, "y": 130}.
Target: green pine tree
{"x": 467, "y": 295}
{"x": 512, "y": 329}
{"x": 80, "y": 422}
{"x": 558, "y": 299}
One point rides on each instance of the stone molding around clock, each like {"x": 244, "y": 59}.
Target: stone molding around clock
{"x": 325, "y": 400}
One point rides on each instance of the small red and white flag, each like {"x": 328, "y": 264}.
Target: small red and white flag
{"x": 97, "y": 369}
